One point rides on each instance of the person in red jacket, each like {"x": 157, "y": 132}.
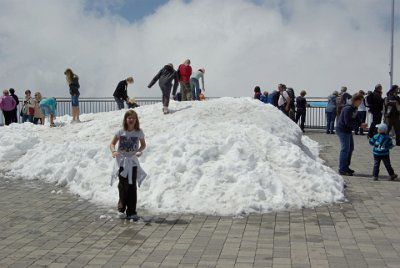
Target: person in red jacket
{"x": 184, "y": 72}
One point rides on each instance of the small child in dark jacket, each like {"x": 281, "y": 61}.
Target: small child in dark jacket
{"x": 382, "y": 144}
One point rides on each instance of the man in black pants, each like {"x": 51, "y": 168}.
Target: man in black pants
{"x": 375, "y": 104}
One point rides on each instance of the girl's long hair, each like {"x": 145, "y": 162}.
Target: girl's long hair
{"x": 69, "y": 75}
{"x": 134, "y": 114}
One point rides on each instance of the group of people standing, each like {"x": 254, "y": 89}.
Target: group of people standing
{"x": 381, "y": 109}
{"x": 35, "y": 109}
{"x": 352, "y": 112}
{"x": 285, "y": 100}
{"x": 168, "y": 79}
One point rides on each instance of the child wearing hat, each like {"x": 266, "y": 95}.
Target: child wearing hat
{"x": 382, "y": 143}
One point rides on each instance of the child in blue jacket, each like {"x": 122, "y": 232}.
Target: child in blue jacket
{"x": 382, "y": 144}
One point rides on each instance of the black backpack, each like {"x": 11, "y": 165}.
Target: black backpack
{"x": 290, "y": 92}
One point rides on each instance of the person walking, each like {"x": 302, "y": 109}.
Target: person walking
{"x": 14, "y": 118}
{"x": 7, "y": 105}
{"x": 344, "y": 127}
{"x": 361, "y": 116}
{"x": 165, "y": 77}
{"x": 131, "y": 143}
{"x": 382, "y": 143}
{"x": 330, "y": 112}
{"x": 195, "y": 83}
{"x": 73, "y": 82}
{"x": 184, "y": 73}
{"x": 301, "y": 108}
{"x": 121, "y": 92}
{"x": 375, "y": 104}
{"x": 28, "y": 107}
{"x": 392, "y": 112}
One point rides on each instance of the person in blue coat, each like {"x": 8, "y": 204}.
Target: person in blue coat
{"x": 330, "y": 112}
{"x": 382, "y": 144}
{"x": 48, "y": 106}
{"x": 264, "y": 97}
{"x": 346, "y": 122}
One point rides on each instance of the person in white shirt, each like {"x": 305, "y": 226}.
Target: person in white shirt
{"x": 284, "y": 99}
{"x": 361, "y": 116}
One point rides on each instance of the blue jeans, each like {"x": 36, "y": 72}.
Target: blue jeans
{"x": 120, "y": 103}
{"x": 75, "y": 101}
{"x": 346, "y": 150}
{"x": 195, "y": 86}
{"x": 28, "y": 118}
{"x": 330, "y": 121}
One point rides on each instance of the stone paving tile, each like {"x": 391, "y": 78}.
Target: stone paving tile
{"x": 40, "y": 229}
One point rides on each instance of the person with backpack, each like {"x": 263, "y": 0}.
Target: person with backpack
{"x": 28, "y": 107}
{"x": 375, "y": 104}
{"x": 14, "y": 118}
{"x": 165, "y": 77}
{"x": 121, "y": 92}
{"x": 392, "y": 112}
{"x": 343, "y": 99}
{"x": 292, "y": 110}
{"x": 284, "y": 99}
{"x": 184, "y": 73}
{"x": 301, "y": 104}
{"x": 330, "y": 112}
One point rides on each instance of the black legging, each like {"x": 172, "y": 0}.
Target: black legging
{"x": 127, "y": 194}
{"x": 8, "y": 115}
{"x": 301, "y": 113}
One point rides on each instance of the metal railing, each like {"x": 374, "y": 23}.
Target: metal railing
{"x": 315, "y": 117}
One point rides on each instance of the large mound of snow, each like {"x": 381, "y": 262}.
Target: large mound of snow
{"x": 225, "y": 156}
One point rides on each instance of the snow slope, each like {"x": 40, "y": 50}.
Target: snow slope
{"x": 225, "y": 156}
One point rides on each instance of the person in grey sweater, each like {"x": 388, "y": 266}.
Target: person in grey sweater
{"x": 165, "y": 77}
{"x": 330, "y": 112}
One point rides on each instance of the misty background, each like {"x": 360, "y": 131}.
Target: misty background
{"x": 314, "y": 45}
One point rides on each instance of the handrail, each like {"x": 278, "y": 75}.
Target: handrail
{"x": 315, "y": 115}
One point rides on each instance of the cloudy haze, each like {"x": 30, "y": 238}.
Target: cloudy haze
{"x": 311, "y": 44}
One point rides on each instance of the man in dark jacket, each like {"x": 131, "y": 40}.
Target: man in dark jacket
{"x": 165, "y": 77}
{"x": 344, "y": 127}
{"x": 14, "y": 118}
{"x": 121, "y": 92}
{"x": 392, "y": 112}
{"x": 375, "y": 104}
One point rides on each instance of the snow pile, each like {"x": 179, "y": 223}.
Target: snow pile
{"x": 225, "y": 156}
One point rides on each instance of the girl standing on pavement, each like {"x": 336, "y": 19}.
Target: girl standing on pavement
{"x": 131, "y": 144}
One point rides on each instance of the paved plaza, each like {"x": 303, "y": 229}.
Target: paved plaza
{"x": 42, "y": 225}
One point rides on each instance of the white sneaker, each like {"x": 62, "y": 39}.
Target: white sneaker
{"x": 165, "y": 110}
{"x": 73, "y": 121}
{"x": 78, "y": 121}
